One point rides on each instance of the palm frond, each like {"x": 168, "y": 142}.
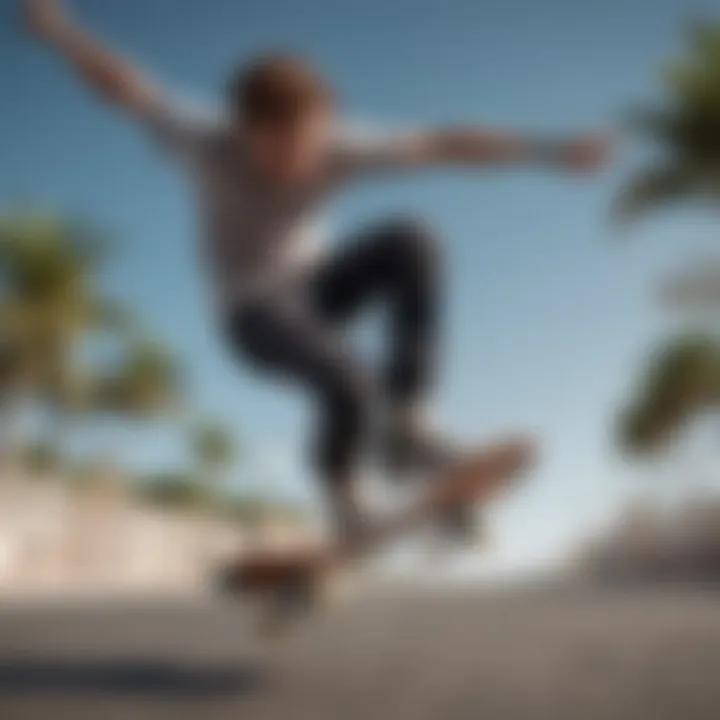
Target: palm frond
{"x": 104, "y": 314}
{"x": 681, "y": 379}
{"x": 655, "y": 186}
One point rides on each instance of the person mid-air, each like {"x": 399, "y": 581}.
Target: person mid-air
{"x": 263, "y": 174}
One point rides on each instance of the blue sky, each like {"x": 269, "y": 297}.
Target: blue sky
{"x": 549, "y": 312}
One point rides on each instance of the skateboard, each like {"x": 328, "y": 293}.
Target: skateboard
{"x": 289, "y": 585}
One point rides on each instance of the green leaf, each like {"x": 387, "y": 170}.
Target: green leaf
{"x": 652, "y": 187}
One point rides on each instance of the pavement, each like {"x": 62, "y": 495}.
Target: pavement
{"x": 462, "y": 654}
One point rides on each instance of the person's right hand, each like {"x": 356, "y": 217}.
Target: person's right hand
{"x": 45, "y": 18}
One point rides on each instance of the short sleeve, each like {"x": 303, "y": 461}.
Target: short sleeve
{"x": 362, "y": 149}
{"x": 181, "y": 128}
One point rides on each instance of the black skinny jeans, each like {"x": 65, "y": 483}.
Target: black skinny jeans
{"x": 298, "y": 334}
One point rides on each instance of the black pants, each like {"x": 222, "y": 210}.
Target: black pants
{"x": 297, "y": 334}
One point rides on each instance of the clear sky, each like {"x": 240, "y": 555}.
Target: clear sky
{"x": 549, "y": 312}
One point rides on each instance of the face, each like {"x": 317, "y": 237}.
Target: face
{"x": 293, "y": 153}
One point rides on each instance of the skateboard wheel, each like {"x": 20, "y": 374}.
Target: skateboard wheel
{"x": 298, "y": 592}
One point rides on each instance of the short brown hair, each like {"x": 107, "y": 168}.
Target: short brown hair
{"x": 277, "y": 89}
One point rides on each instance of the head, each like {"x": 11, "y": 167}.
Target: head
{"x": 283, "y": 112}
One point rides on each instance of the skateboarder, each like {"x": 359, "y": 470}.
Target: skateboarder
{"x": 263, "y": 173}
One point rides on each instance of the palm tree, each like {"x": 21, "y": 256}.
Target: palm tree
{"x": 214, "y": 450}
{"x": 48, "y": 306}
{"x": 42, "y": 458}
{"x": 50, "y": 309}
{"x": 686, "y": 130}
{"x": 682, "y": 380}
{"x": 145, "y": 383}
{"x": 680, "y": 385}
{"x": 197, "y": 490}
{"x": 249, "y": 510}
{"x": 174, "y": 491}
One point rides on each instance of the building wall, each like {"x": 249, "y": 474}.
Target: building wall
{"x": 53, "y": 540}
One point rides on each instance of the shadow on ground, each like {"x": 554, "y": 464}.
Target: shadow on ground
{"x": 127, "y": 677}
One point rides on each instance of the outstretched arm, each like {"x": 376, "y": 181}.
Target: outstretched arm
{"x": 109, "y": 75}
{"x": 476, "y": 146}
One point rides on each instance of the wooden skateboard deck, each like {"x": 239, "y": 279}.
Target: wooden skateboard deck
{"x": 295, "y": 579}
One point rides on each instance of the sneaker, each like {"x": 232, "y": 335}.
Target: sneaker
{"x": 349, "y": 526}
{"x": 408, "y": 452}
{"x": 413, "y": 452}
